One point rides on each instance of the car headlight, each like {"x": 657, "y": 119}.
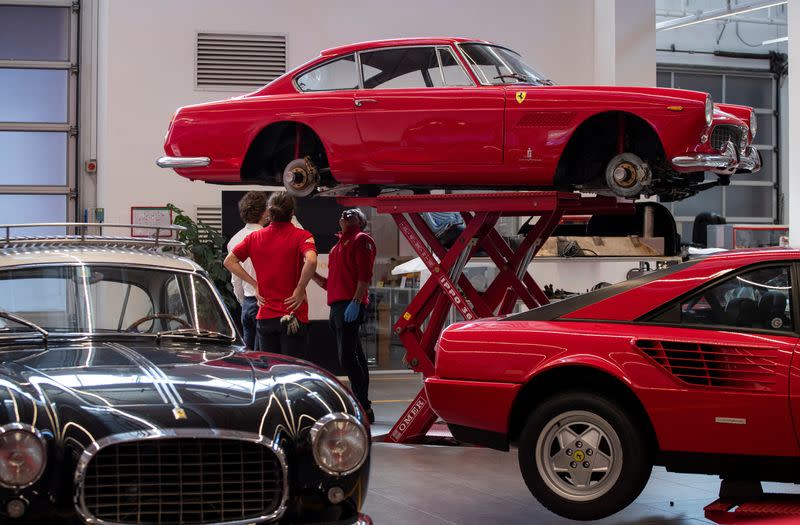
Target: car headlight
{"x": 709, "y": 110}
{"x": 23, "y": 455}
{"x": 753, "y": 125}
{"x": 340, "y": 443}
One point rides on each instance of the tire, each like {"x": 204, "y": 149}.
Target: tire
{"x": 597, "y": 432}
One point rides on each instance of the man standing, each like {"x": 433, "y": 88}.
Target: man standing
{"x": 285, "y": 258}
{"x": 349, "y": 275}
{"x": 253, "y": 211}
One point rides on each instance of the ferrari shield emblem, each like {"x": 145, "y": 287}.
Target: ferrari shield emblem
{"x": 179, "y": 413}
{"x": 520, "y": 96}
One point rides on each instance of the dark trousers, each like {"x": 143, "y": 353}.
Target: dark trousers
{"x": 272, "y": 337}
{"x": 249, "y": 311}
{"x": 351, "y": 354}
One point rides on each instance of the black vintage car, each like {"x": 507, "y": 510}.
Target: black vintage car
{"x": 127, "y": 399}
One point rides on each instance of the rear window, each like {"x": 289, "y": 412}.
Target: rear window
{"x": 558, "y": 309}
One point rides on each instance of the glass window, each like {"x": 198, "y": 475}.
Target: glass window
{"x": 118, "y": 303}
{"x": 756, "y": 299}
{"x": 749, "y": 201}
{"x": 452, "y": 71}
{"x": 764, "y": 130}
{"x": 497, "y": 65}
{"x": 34, "y": 33}
{"x": 44, "y": 296}
{"x": 707, "y": 83}
{"x": 335, "y": 75}
{"x": 709, "y": 200}
{"x": 33, "y": 95}
{"x": 33, "y": 158}
{"x": 18, "y": 209}
{"x": 402, "y": 67}
{"x": 664, "y": 79}
{"x": 756, "y": 92}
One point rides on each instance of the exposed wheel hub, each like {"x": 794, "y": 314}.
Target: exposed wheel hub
{"x": 301, "y": 177}
{"x": 627, "y": 175}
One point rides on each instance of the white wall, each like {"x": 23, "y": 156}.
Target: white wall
{"x": 146, "y": 64}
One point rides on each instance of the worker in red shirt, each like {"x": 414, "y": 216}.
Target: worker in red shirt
{"x": 284, "y": 258}
{"x": 349, "y": 275}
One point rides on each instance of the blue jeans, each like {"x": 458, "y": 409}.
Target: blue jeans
{"x": 249, "y": 311}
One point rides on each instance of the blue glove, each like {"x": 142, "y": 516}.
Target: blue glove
{"x": 352, "y": 311}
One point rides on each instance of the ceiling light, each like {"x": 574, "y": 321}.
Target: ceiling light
{"x": 716, "y": 14}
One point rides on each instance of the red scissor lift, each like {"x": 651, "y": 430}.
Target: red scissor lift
{"x": 420, "y": 325}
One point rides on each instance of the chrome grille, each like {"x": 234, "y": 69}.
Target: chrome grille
{"x": 724, "y": 133}
{"x": 183, "y": 481}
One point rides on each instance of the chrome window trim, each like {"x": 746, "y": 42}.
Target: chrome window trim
{"x": 201, "y": 274}
{"x": 10, "y": 427}
{"x": 322, "y": 64}
{"x": 91, "y": 451}
{"x": 324, "y": 420}
{"x": 459, "y": 61}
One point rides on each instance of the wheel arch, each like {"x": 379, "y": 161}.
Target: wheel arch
{"x": 265, "y": 151}
{"x": 575, "y": 166}
{"x": 552, "y": 381}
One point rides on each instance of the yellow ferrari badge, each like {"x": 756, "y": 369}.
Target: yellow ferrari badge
{"x": 179, "y": 413}
{"x": 520, "y": 96}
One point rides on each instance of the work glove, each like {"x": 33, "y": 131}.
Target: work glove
{"x": 352, "y": 311}
{"x": 291, "y": 323}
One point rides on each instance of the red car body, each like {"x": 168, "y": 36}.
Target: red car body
{"x": 710, "y": 388}
{"x": 521, "y": 134}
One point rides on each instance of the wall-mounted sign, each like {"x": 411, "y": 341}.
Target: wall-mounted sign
{"x": 150, "y": 216}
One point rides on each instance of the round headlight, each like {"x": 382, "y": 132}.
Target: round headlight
{"x": 340, "y": 443}
{"x": 709, "y": 110}
{"x": 753, "y": 125}
{"x": 22, "y": 455}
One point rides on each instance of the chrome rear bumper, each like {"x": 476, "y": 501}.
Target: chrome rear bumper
{"x": 183, "y": 162}
{"x": 725, "y": 162}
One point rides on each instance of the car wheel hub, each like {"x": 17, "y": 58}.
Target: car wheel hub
{"x": 579, "y": 455}
{"x": 625, "y": 175}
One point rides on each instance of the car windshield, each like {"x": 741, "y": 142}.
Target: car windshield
{"x": 497, "y": 65}
{"x": 89, "y": 299}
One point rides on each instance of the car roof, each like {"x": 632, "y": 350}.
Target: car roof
{"x": 394, "y": 42}
{"x": 26, "y": 255}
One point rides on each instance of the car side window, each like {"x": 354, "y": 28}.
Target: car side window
{"x": 402, "y": 67}
{"x": 759, "y": 299}
{"x": 335, "y": 75}
{"x": 452, "y": 71}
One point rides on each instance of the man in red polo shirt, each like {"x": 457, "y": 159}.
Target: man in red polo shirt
{"x": 284, "y": 258}
{"x": 349, "y": 275}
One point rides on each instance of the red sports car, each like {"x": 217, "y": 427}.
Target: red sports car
{"x": 694, "y": 367}
{"x": 452, "y": 112}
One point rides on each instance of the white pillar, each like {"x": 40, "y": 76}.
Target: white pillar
{"x": 605, "y": 55}
{"x": 625, "y": 42}
{"x": 792, "y": 143}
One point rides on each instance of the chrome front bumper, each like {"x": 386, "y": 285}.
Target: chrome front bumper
{"x": 725, "y": 162}
{"x": 183, "y": 162}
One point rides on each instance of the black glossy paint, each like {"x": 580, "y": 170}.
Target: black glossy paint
{"x": 79, "y": 391}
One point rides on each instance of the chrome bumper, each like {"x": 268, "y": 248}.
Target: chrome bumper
{"x": 726, "y": 162}
{"x": 183, "y": 162}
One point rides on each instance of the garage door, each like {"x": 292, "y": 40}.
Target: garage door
{"x": 749, "y": 198}
{"x": 38, "y": 103}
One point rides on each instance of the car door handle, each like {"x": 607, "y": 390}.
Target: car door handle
{"x": 361, "y": 101}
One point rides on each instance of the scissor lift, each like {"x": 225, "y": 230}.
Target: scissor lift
{"x": 422, "y": 322}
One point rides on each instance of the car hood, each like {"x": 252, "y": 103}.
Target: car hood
{"x": 88, "y": 391}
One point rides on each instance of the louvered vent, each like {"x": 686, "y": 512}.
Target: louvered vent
{"x": 231, "y": 62}
{"x": 729, "y": 367}
{"x": 212, "y": 217}
{"x": 551, "y": 119}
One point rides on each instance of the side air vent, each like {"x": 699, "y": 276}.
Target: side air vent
{"x": 235, "y": 61}
{"x": 551, "y": 119}
{"x": 729, "y": 367}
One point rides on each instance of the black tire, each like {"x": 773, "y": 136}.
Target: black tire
{"x": 623, "y": 481}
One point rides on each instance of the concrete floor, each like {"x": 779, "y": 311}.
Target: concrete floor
{"x": 437, "y": 485}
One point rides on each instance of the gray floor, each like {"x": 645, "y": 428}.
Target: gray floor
{"x": 422, "y": 484}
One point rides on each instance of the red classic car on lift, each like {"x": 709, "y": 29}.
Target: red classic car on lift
{"x": 452, "y": 112}
{"x": 693, "y": 367}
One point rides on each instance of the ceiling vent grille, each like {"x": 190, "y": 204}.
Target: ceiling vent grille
{"x": 721, "y": 366}
{"x": 233, "y": 61}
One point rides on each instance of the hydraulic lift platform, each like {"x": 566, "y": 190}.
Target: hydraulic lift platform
{"x": 422, "y": 322}
{"x": 746, "y": 503}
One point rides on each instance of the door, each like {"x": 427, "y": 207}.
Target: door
{"x": 419, "y": 107}
{"x": 729, "y": 348}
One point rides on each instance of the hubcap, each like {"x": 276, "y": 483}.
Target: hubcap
{"x": 579, "y": 455}
{"x": 625, "y": 175}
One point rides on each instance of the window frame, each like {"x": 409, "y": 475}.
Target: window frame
{"x": 391, "y": 48}
{"x": 794, "y": 273}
